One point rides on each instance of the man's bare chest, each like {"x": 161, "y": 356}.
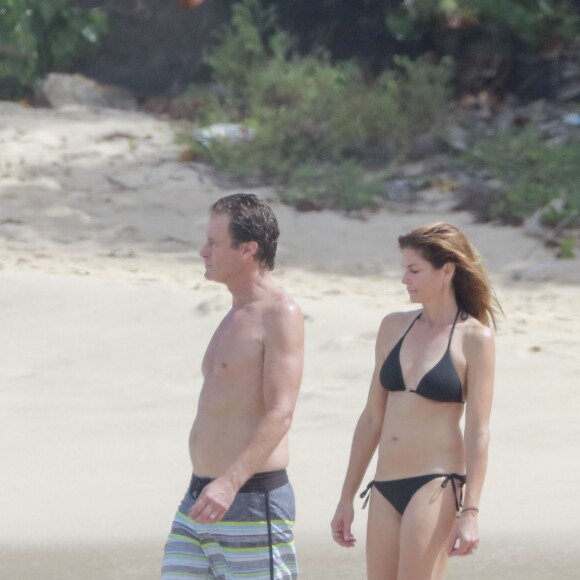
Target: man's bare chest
{"x": 236, "y": 347}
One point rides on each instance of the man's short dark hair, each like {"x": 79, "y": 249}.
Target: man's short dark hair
{"x": 251, "y": 220}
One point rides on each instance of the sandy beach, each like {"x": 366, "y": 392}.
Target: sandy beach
{"x": 106, "y": 315}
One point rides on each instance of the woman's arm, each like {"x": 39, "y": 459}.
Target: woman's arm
{"x": 364, "y": 443}
{"x": 479, "y": 351}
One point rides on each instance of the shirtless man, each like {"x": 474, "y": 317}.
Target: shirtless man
{"x": 236, "y": 518}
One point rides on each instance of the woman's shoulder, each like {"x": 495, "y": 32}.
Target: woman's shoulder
{"x": 476, "y": 333}
{"x": 397, "y": 322}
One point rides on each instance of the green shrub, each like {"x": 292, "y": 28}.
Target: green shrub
{"x": 535, "y": 172}
{"x": 343, "y": 186}
{"x": 535, "y": 23}
{"x": 567, "y": 248}
{"x": 316, "y": 123}
{"x": 37, "y": 37}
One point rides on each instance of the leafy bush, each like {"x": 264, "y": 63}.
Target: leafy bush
{"x": 536, "y": 23}
{"x": 534, "y": 172}
{"x": 567, "y": 248}
{"x": 342, "y": 186}
{"x": 319, "y": 126}
{"x": 39, "y": 37}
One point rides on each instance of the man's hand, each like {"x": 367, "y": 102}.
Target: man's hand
{"x": 213, "y": 502}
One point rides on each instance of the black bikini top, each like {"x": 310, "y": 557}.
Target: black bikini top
{"x": 441, "y": 383}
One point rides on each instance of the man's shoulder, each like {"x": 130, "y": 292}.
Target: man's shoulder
{"x": 281, "y": 305}
{"x": 280, "y": 311}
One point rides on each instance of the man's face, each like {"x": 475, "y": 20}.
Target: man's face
{"x": 222, "y": 261}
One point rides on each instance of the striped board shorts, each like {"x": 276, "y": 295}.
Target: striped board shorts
{"x": 253, "y": 541}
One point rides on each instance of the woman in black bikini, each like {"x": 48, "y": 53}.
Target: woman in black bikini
{"x": 430, "y": 365}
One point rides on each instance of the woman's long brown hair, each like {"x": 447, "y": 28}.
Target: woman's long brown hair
{"x": 441, "y": 243}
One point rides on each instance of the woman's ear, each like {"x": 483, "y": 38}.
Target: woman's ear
{"x": 449, "y": 270}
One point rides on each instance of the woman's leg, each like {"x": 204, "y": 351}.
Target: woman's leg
{"x": 382, "y": 539}
{"x": 425, "y": 528}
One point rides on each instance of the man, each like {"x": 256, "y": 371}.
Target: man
{"x": 236, "y": 518}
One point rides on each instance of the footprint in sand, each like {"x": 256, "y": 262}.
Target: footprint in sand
{"x": 212, "y": 304}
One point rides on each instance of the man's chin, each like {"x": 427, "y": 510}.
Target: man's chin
{"x": 209, "y": 276}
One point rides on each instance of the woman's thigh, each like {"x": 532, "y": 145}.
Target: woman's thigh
{"x": 425, "y": 529}
{"x": 382, "y": 539}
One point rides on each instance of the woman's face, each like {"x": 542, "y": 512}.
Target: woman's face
{"x": 423, "y": 281}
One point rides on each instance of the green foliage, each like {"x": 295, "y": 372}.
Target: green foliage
{"x": 536, "y": 23}
{"x": 245, "y": 44}
{"x": 342, "y": 186}
{"x": 39, "y": 37}
{"x": 319, "y": 125}
{"x": 567, "y": 247}
{"x": 535, "y": 173}
{"x": 422, "y": 91}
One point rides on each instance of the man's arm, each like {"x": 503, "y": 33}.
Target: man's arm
{"x": 283, "y": 364}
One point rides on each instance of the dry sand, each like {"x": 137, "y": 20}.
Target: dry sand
{"x": 106, "y": 315}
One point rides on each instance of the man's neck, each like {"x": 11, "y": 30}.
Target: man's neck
{"x": 254, "y": 287}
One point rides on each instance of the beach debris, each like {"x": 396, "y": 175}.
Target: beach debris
{"x": 561, "y": 270}
{"x": 223, "y": 132}
{"x": 121, "y": 185}
{"x": 569, "y": 91}
{"x": 572, "y": 119}
{"x": 476, "y": 193}
{"x": 119, "y": 135}
{"x": 360, "y": 215}
{"x": 189, "y": 3}
{"x": 209, "y": 305}
{"x": 427, "y": 145}
{"x": 402, "y": 190}
{"x": 534, "y": 225}
{"x": 61, "y": 90}
{"x": 558, "y": 236}
{"x": 457, "y": 138}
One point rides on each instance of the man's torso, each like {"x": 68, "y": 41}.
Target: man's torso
{"x": 231, "y": 403}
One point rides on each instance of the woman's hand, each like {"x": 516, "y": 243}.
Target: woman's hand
{"x": 341, "y": 525}
{"x": 464, "y": 537}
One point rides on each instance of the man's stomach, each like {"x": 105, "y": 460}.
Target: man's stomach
{"x": 215, "y": 444}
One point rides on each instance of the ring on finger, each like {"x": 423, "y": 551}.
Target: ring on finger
{"x": 212, "y": 516}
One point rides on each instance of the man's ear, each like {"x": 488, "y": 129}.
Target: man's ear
{"x": 250, "y": 248}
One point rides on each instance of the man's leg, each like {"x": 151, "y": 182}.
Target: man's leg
{"x": 254, "y": 540}
{"x": 184, "y": 557}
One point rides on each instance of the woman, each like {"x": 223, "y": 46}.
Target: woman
{"x": 430, "y": 365}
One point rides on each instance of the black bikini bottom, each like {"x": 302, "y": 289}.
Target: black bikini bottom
{"x": 398, "y": 492}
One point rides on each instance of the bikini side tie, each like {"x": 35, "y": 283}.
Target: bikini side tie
{"x": 460, "y": 479}
{"x": 367, "y": 493}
